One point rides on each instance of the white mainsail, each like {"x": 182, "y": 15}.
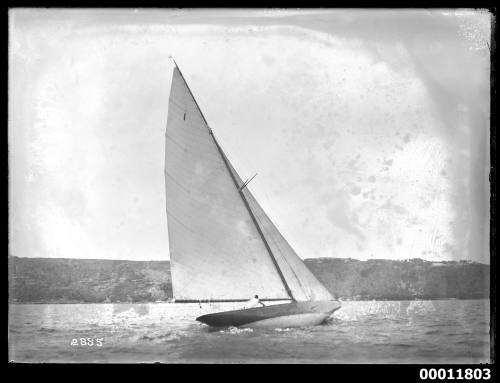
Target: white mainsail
{"x": 222, "y": 244}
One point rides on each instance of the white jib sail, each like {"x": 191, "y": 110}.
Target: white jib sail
{"x": 301, "y": 281}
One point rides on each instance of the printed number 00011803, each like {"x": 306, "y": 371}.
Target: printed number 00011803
{"x": 455, "y": 374}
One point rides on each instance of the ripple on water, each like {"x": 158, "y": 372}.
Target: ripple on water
{"x": 361, "y": 332}
{"x": 47, "y": 330}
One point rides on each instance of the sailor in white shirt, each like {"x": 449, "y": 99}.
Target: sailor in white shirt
{"x": 254, "y": 302}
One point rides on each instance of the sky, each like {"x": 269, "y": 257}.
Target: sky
{"x": 369, "y": 129}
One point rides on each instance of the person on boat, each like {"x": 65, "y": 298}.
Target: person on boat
{"x": 254, "y": 302}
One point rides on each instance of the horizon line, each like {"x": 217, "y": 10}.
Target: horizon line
{"x": 314, "y": 258}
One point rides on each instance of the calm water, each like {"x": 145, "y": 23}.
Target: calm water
{"x": 448, "y": 331}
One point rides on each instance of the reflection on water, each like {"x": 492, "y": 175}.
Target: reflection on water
{"x": 449, "y": 331}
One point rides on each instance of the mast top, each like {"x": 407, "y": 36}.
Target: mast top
{"x": 192, "y": 95}
{"x": 171, "y": 57}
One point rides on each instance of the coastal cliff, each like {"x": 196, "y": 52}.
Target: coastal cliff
{"x": 401, "y": 280}
{"x": 62, "y": 280}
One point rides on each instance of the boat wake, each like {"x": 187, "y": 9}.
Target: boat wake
{"x": 235, "y": 330}
{"x": 160, "y": 338}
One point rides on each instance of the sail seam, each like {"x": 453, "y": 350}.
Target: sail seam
{"x": 208, "y": 156}
{"x": 175, "y": 142}
{"x": 177, "y": 182}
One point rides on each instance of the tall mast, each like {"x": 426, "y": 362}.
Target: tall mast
{"x": 240, "y": 190}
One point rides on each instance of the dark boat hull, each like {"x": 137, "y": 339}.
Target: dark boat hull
{"x": 294, "y": 314}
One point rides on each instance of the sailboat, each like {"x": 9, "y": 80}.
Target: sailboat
{"x": 223, "y": 246}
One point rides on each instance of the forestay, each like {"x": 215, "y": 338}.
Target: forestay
{"x": 300, "y": 279}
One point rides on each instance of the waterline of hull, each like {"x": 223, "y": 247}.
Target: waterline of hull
{"x": 295, "y": 314}
{"x": 289, "y": 321}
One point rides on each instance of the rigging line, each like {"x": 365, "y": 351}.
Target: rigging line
{"x": 280, "y": 249}
{"x": 186, "y": 107}
{"x": 253, "y": 201}
{"x": 247, "y": 182}
{"x": 283, "y": 280}
{"x": 170, "y": 214}
{"x": 266, "y": 244}
{"x": 195, "y": 137}
{"x": 192, "y": 95}
{"x": 283, "y": 257}
{"x": 197, "y": 271}
{"x": 219, "y": 204}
